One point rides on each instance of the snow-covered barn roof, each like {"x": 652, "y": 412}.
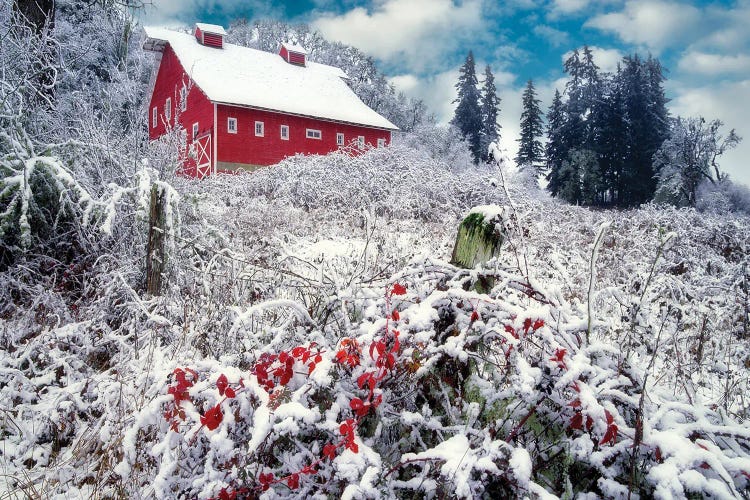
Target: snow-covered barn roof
{"x": 242, "y": 76}
{"x": 211, "y": 28}
{"x": 294, "y": 47}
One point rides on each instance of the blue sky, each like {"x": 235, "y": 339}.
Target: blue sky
{"x": 420, "y": 44}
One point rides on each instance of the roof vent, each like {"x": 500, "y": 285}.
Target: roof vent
{"x": 293, "y": 54}
{"x": 210, "y": 35}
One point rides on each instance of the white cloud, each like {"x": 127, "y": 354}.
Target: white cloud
{"x": 553, "y": 36}
{"x": 418, "y": 32}
{"x": 712, "y": 64}
{"x": 654, "y": 24}
{"x": 568, "y": 6}
{"x": 438, "y": 91}
{"x": 606, "y": 59}
{"x": 727, "y": 102}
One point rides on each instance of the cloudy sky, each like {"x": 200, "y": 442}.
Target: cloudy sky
{"x": 420, "y": 45}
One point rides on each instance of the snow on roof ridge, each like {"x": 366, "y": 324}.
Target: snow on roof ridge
{"x": 293, "y": 47}
{"x": 241, "y": 76}
{"x": 211, "y": 28}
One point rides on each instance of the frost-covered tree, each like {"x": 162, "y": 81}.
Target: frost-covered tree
{"x": 490, "y": 107}
{"x": 468, "y": 114}
{"x": 530, "y": 151}
{"x": 690, "y": 156}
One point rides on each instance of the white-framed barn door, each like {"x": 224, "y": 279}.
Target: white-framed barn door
{"x": 202, "y": 148}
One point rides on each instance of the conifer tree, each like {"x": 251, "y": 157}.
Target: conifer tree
{"x": 555, "y": 151}
{"x": 530, "y": 151}
{"x": 490, "y": 107}
{"x": 468, "y": 116}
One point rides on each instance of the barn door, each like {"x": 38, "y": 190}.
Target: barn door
{"x": 202, "y": 145}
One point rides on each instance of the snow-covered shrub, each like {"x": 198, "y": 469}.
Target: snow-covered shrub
{"x": 435, "y": 390}
{"x": 393, "y": 182}
{"x": 723, "y": 197}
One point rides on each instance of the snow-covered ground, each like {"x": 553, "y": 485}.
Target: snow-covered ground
{"x": 359, "y": 362}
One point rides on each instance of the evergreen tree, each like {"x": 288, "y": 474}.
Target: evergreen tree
{"x": 530, "y": 151}
{"x": 645, "y": 111}
{"x": 468, "y": 116}
{"x": 610, "y": 133}
{"x": 555, "y": 150}
{"x": 490, "y": 107}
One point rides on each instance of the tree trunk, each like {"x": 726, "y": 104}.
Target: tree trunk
{"x": 156, "y": 258}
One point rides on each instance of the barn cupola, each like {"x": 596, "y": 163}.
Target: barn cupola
{"x": 293, "y": 54}
{"x": 210, "y": 35}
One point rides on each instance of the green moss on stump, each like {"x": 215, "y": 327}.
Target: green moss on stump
{"x": 477, "y": 242}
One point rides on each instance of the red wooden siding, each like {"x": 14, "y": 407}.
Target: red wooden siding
{"x": 292, "y": 57}
{"x": 169, "y": 81}
{"x": 245, "y": 147}
{"x": 213, "y": 40}
{"x": 297, "y": 58}
{"x": 198, "y": 34}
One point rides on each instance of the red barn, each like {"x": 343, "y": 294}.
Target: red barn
{"x": 244, "y": 108}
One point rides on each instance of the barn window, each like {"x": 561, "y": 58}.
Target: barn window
{"x": 154, "y": 116}
{"x": 258, "y": 129}
{"x": 232, "y": 125}
{"x": 183, "y": 98}
{"x": 314, "y": 134}
{"x": 361, "y": 141}
{"x": 195, "y": 130}
{"x": 381, "y": 143}
{"x": 285, "y": 132}
{"x": 340, "y": 139}
{"x": 168, "y": 109}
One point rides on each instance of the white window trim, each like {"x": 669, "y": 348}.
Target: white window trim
{"x": 262, "y": 129}
{"x": 381, "y": 143}
{"x": 361, "y": 141}
{"x": 312, "y": 133}
{"x": 168, "y": 109}
{"x": 284, "y": 128}
{"x": 154, "y": 116}
{"x": 183, "y": 98}
{"x": 195, "y": 130}
{"x": 231, "y": 120}
{"x": 339, "y": 139}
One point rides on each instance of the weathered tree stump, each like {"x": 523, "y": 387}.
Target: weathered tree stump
{"x": 156, "y": 257}
{"x": 479, "y": 236}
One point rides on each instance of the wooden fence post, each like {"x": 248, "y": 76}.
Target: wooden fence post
{"x": 156, "y": 258}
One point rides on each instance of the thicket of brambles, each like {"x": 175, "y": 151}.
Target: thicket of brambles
{"x": 312, "y": 337}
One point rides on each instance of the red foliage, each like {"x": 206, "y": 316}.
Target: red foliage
{"x": 610, "y": 436}
{"x": 222, "y": 383}
{"x": 349, "y": 352}
{"x": 266, "y": 480}
{"x": 329, "y": 451}
{"x": 212, "y": 418}
{"x": 277, "y": 370}
{"x": 347, "y": 430}
{"x": 559, "y": 358}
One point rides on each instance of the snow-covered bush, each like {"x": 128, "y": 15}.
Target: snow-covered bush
{"x": 397, "y": 182}
{"x": 723, "y": 197}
